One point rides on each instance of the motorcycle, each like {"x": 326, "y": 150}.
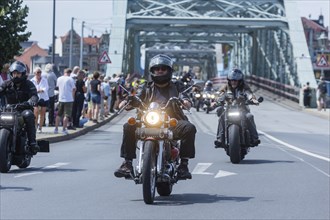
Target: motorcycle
{"x": 158, "y": 156}
{"x": 14, "y": 149}
{"x": 237, "y": 135}
{"x": 197, "y": 100}
{"x": 208, "y": 98}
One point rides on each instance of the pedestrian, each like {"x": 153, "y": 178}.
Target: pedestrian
{"x": 113, "y": 90}
{"x": 51, "y": 79}
{"x": 75, "y": 72}
{"x": 41, "y": 85}
{"x": 307, "y": 95}
{"x": 107, "y": 94}
{"x": 322, "y": 94}
{"x": 95, "y": 85}
{"x": 66, "y": 91}
{"x": 101, "y": 116}
{"x": 79, "y": 99}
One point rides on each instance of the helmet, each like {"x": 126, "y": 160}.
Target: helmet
{"x": 209, "y": 83}
{"x": 161, "y": 60}
{"x": 235, "y": 74}
{"x": 187, "y": 77}
{"x": 19, "y": 67}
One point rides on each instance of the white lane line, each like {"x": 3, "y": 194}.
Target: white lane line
{"x": 27, "y": 174}
{"x": 295, "y": 148}
{"x": 56, "y": 165}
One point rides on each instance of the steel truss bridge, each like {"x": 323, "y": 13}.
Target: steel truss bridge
{"x": 265, "y": 37}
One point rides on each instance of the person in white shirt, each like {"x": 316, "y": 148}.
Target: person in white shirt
{"x": 41, "y": 84}
{"x": 66, "y": 90}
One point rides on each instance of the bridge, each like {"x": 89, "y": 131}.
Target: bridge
{"x": 264, "y": 38}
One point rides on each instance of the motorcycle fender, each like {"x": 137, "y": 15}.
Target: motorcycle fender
{"x": 43, "y": 145}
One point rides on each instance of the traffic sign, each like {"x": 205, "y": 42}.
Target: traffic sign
{"x": 104, "y": 58}
{"x": 322, "y": 62}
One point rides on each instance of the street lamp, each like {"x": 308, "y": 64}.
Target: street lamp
{"x": 322, "y": 43}
{"x": 53, "y": 46}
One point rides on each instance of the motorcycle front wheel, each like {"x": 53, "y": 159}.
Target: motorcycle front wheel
{"x": 149, "y": 171}
{"x": 234, "y": 144}
{"x": 5, "y": 153}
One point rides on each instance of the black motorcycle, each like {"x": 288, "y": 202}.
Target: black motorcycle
{"x": 14, "y": 148}
{"x": 237, "y": 135}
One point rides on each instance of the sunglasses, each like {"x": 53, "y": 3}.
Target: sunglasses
{"x": 162, "y": 68}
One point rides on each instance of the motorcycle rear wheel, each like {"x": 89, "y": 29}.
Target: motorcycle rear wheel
{"x": 234, "y": 144}
{"x": 5, "y": 153}
{"x": 149, "y": 172}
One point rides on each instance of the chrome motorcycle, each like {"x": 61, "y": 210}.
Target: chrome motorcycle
{"x": 14, "y": 149}
{"x": 158, "y": 156}
{"x": 237, "y": 135}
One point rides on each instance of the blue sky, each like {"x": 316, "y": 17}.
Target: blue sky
{"x": 97, "y": 16}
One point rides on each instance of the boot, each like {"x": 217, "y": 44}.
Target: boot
{"x": 183, "y": 171}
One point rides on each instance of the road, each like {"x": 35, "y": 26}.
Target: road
{"x": 285, "y": 177}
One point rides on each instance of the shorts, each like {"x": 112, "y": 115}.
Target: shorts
{"x": 42, "y": 103}
{"x": 96, "y": 98}
{"x": 65, "y": 108}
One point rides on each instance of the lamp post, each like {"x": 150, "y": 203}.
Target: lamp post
{"x": 322, "y": 43}
{"x": 53, "y": 46}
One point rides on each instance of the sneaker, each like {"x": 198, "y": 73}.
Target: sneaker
{"x": 219, "y": 144}
{"x": 56, "y": 131}
{"x": 183, "y": 171}
{"x": 39, "y": 131}
{"x": 65, "y": 131}
{"x": 125, "y": 170}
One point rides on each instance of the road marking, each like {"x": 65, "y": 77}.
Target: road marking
{"x": 223, "y": 173}
{"x": 201, "y": 167}
{"x": 56, "y": 165}
{"x": 27, "y": 174}
{"x": 295, "y": 148}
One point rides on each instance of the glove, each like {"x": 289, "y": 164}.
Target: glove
{"x": 133, "y": 101}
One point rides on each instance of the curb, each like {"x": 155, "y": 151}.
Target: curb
{"x": 58, "y": 138}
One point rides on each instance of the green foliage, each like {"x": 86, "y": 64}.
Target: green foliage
{"x": 12, "y": 29}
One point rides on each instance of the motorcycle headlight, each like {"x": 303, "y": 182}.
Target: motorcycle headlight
{"x": 212, "y": 96}
{"x": 234, "y": 114}
{"x": 197, "y": 95}
{"x": 204, "y": 96}
{"x": 7, "y": 119}
{"x": 152, "y": 118}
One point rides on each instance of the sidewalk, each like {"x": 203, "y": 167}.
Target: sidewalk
{"x": 291, "y": 104}
{"x": 48, "y": 132}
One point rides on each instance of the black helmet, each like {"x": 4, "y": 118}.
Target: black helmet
{"x": 161, "y": 60}
{"x": 19, "y": 67}
{"x": 235, "y": 74}
{"x": 209, "y": 83}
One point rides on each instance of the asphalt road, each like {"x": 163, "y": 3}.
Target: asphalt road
{"x": 285, "y": 177}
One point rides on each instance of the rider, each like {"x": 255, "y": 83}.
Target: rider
{"x": 20, "y": 90}
{"x": 236, "y": 84}
{"x": 208, "y": 86}
{"x": 161, "y": 89}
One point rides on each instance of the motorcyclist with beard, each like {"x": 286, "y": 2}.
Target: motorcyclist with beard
{"x": 20, "y": 90}
{"x": 161, "y": 89}
{"x": 237, "y": 86}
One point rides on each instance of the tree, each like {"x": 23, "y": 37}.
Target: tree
{"x": 12, "y": 29}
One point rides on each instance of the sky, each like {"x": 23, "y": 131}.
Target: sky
{"x": 97, "y": 16}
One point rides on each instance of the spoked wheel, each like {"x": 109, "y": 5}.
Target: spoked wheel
{"x": 234, "y": 144}
{"x": 149, "y": 172}
{"x": 5, "y": 153}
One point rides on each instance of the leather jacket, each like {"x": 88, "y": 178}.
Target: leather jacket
{"x": 24, "y": 92}
{"x": 153, "y": 93}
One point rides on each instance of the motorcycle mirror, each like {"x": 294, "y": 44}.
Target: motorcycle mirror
{"x": 260, "y": 99}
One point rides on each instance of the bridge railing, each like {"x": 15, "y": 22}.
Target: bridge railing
{"x": 282, "y": 90}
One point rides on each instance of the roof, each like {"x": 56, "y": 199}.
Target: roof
{"x": 311, "y": 24}
{"x": 30, "y": 52}
{"x": 92, "y": 40}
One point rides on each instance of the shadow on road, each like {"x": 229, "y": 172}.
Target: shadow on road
{"x": 189, "y": 198}
{"x": 265, "y": 161}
